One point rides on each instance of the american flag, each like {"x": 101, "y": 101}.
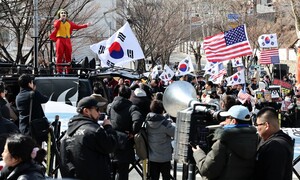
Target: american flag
{"x": 221, "y": 73}
{"x": 227, "y": 45}
{"x": 269, "y": 56}
{"x": 243, "y": 96}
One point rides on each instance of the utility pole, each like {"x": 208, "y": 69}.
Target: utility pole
{"x": 36, "y": 35}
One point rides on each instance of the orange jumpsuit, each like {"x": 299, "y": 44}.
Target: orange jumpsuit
{"x": 61, "y": 35}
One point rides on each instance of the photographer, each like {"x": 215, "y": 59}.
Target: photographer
{"x": 233, "y": 154}
{"x": 23, "y": 99}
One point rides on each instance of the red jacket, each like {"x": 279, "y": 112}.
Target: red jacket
{"x": 57, "y": 25}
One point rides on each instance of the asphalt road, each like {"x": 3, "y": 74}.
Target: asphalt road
{"x": 134, "y": 175}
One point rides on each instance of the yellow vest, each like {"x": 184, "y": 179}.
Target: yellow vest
{"x": 64, "y": 30}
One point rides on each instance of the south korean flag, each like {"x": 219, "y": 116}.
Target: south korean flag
{"x": 120, "y": 48}
{"x": 185, "y": 67}
{"x": 236, "y": 78}
{"x": 167, "y": 74}
{"x": 268, "y": 41}
{"x": 237, "y": 63}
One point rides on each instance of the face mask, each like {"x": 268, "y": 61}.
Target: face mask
{"x": 287, "y": 99}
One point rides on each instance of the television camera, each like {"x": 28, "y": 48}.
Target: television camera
{"x": 194, "y": 120}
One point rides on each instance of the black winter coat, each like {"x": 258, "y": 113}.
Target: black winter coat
{"x": 4, "y": 110}
{"x": 125, "y": 118}
{"x": 23, "y": 171}
{"x": 143, "y": 103}
{"x": 6, "y": 127}
{"x": 23, "y": 106}
{"x": 274, "y": 158}
{"x": 86, "y": 147}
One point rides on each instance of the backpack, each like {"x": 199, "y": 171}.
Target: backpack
{"x": 141, "y": 142}
{"x": 67, "y": 168}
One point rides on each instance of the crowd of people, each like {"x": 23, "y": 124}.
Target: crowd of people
{"x": 248, "y": 145}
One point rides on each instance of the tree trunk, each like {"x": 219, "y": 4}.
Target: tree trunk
{"x": 297, "y": 25}
{"x": 297, "y": 17}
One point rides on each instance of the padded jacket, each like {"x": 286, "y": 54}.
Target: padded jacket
{"x": 23, "y": 171}
{"x": 125, "y": 118}
{"x": 232, "y": 155}
{"x": 85, "y": 149}
{"x": 274, "y": 159}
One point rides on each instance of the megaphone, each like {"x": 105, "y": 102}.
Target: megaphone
{"x": 179, "y": 96}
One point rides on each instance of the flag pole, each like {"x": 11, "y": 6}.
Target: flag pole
{"x": 280, "y": 72}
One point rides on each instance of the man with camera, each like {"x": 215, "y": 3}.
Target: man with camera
{"x": 28, "y": 103}
{"x": 232, "y": 156}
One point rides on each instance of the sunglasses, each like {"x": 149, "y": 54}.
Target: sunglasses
{"x": 97, "y": 109}
{"x": 259, "y": 124}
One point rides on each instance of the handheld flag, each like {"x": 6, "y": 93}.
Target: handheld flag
{"x": 185, "y": 67}
{"x": 120, "y": 48}
{"x": 209, "y": 67}
{"x": 236, "y": 78}
{"x": 218, "y": 80}
{"x": 237, "y": 63}
{"x": 219, "y": 71}
{"x": 243, "y": 96}
{"x": 227, "y": 45}
{"x": 155, "y": 71}
{"x": 268, "y": 41}
{"x": 169, "y": 72}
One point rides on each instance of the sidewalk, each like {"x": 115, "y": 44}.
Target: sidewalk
{"x": 134, "y": 175}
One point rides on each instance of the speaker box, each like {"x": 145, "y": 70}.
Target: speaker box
{"x": 280, "y": 70}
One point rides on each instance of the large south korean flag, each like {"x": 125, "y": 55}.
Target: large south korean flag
{"x": 120, "y": 48}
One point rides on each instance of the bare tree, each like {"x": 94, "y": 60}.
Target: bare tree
{"x": 159, "y": 26}
{"x": 296, "y": 14}
{"x": 16, "y": 20}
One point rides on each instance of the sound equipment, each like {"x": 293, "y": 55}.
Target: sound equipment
{"x": 193, "y": 117}
{"x": 280, "y": 70}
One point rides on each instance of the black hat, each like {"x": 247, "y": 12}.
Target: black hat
{"x": 88, "y": 102}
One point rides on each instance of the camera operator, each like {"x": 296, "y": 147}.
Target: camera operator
{"x": 233, "y": 154}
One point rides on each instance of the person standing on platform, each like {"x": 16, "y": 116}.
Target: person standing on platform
{"x": 274, "y": 158}
{"x": 62, "y": 36}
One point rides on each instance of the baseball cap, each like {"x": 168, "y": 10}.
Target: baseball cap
{"x": 140, "y": 92}
{"x": 89, "y": 101}
{"x": 99, "y": 98}
{"x": 237, "y": 111}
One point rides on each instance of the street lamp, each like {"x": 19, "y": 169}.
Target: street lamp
{"x": 36, "y": 34}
